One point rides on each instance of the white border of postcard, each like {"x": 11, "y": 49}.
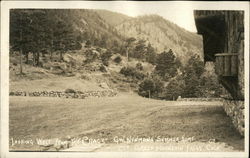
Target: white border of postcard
{"x": 7, "y": 5}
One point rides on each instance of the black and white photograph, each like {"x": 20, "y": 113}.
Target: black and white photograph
{"x": 125, "y": 77}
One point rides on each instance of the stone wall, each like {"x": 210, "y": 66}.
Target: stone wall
{"x": 236, "y": 111}
{"x": 78, "y": 94}
{"x": 199, "y": 99}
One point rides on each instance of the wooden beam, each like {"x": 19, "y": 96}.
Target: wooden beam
{"x": 226, "y": 54}
{"x": 227, "y": 66}
{"x": 220, "y": 66}
{"x": 234, "y": 65}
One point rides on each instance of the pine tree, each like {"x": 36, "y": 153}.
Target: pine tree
{"x": 167, "y": 65}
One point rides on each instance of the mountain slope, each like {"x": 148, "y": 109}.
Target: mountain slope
{"x": 163, "y": 35}
{"x": 90, "y": 25}
{"x": 108, "y": 26}
{"x": 112, "y": 18}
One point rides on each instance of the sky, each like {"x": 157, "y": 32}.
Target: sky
{"x": 182, "y": 15}
{"x": 178, "y": 12}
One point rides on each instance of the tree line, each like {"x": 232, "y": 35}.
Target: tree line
{"x": 170, "y": 79}
{"x": 46, "y": 31}
{"x": 41, "y": 31}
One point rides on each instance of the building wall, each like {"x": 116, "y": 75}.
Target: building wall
{"x": 230, "y": 34}
{"x": 235, "y": 44}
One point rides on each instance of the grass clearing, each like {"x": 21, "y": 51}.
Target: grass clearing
{"x": 124, "y": 115}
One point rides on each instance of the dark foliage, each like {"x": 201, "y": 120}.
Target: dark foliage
{"x": 70, "y": 91}
{"x": 150, "y": 87}
{"x": 105, "y": 57}
{"x": 132, "y": 72}
{"x": 139, "y": 66}
{"x": 103, "y": 68}
{"x": 167, "y": 65}
{"x": 118, "y": 59}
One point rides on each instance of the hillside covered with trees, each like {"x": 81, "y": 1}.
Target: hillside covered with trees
{"x": 153, "y": 56}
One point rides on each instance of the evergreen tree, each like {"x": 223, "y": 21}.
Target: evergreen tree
{"x": 192, "y": 76}
{"x": 140, "y": 49}
{"x": 151, "y": 55}
{"x": 167, "y": 65}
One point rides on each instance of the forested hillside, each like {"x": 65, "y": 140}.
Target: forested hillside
{"x": 50, "y": 26}
{"x": 163, "y": 35}
{"x": 153, "y": 56}
{"x": 105, "y": 29}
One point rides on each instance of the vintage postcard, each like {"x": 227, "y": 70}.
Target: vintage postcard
{"x": 124, "y": 79}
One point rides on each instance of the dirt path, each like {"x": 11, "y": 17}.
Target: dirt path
{"x": 123, "y": 123}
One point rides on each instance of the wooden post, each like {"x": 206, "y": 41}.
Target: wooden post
{"x": 21, "y": 47}
{"x": 221, "y": 65}
{"x": 234, "y": 65}
{"x": 149, "y": 95}
{"x": 227, "y": 65}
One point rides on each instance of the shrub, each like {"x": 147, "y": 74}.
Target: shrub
{"x": 90, "y": 56}
{"x": 78, "y": 46}
{"x": 98, "y": 49}
{"x": 88, "y": 44}
{"x": 145, "y": 87}
{"x": 150, "y": 87}
{"x": 70, "y": 91}
{"x": 79, "y": 92}
{"x": 167, "y": 65}
{"x": 174, "y": 89}
{"x": 139, "y": 66}
{"x": 105, "y": 57}
{"x": 85, "y": 77}
{"x": 118, "y": 59}
{"x": 132, "y": 72}
{"x": 103, "y": 68}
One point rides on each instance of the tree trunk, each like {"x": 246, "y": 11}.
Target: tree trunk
{"x": 127, "y": 50}
{"x": 70, "y": 68}
{"x": 21, "y": 51}
{"x": 27, "y": 57}
{"x": 21, "y": 66}
{"x": 61, "y": 57}
{"x": 37, "y": 59}
{"x": 51, "y": 51}
{"x": 51, "y": 58}
{"x": 34, "y": 58}
{"x": 61, "y": 52}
